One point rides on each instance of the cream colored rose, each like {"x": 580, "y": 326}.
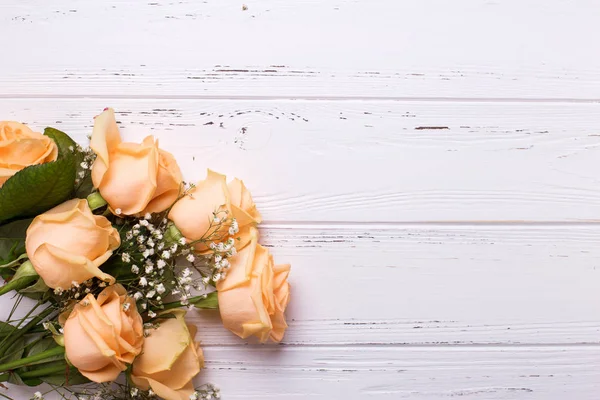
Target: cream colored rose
{"x": 102, "y": 335}
{"x": 20, "y": 147}
{"x": 68, "y": 244}
{"x": 193, "y": 213}
{"x": 133, "y": 178}
{"x": 170, "y": 359}
{"x": 254, "y": 295}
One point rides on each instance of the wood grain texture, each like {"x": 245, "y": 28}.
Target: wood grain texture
{"x": 374, "y": 161}
{"x": 428, "y": 167}
{"x": 335, "y": 48}
{"x": 481, "y": 373}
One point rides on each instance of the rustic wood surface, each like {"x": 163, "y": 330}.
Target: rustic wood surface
{"x": 429, "y": 168}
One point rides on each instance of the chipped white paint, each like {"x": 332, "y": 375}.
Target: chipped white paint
{"x": 428, "y": 167}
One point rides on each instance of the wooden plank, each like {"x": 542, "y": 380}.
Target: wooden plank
{"x": 430, "y": 285}
{"x": 370, "y": 161}
{"x": 482, "y": 373}
{"x": 425, "y": 285}
{"x": 335, "y": 48}
{"x": 384, "y": 372}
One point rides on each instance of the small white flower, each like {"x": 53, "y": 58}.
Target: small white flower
{"x": 186, "y": 272}
{"x": 233, "y": 251}
{"x": 135, "y": 269}
{"x": 151, "y": 314}
{"x": 166, "y": 254}
{"x": 81, "y": 174}
{"x": 38, "y": 396}
{"x": 150, "y": 294}
{"x": 147, "y": 253}
{"x": 134, "y": 391}
{"x": 71, "y": 149}
{"x": 161, "y": 264}
{"x": 225, "y": 263}
{"x": 144, "y": 306}
{"x": 231, "y": 231}
{"x": 129, "y": 235}
{"x": 182, "y": 241}
{"x": 102, "y": 284}
{"x": 149, "y": 269}
{"x": 160, "y": 246}
{"x": 126, "y": 257}
{"x": 174, "y": 248}
{"x": 150, "y": 392}
{"x": 160, "y": 288}
{"x": 118, "y": 211}
{"x": 148, "y": 216}
{"x": 138, "y": 295}
{"x": 205, "y": 280}
{"x": 213, "y": 245}
{"x": 141, "y": 239}
{"x": 190, "y": 257}
{"x": 58, "y": 291}
{"x": 84, "y": 165}
{"x": 144, "y": 222}
{"x": 126, "y": 306}
{"x": 221, "y": 246}
{"x": 75, "y": 284}
{"x": 150, "y": 242}
{"x": 143, "y": 281}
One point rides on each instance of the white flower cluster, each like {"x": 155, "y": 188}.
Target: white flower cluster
{"x": 85, "y": 166}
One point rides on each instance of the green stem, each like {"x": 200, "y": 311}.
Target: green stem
{"x": 4, "y": 377}
{"x": 177, "y": 304}
{"x": 23, "y": 362}
{"x": 29, "y": 326}
{"x": 53, "y": 370}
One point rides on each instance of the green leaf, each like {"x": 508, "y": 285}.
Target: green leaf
{"x": 41, "y": 346}
{"x": 15, "y": 262}
{"x": 35, "y": 291}
{"x": 14, "y": 352}
{"x": 73, "y": 377}
{"x": 210, "y": 302}
{"x": 66, "y": 145}
{"x": 6, "y": 328}
{"x": 12, "y": 240}
{"x": 38, "y": 188}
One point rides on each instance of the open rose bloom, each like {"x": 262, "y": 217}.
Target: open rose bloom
{"x": 68, "y": 244}
{"x": 103, "y": 335}
{"x": 134, "y": 178}
{"x": 20, "y": 147}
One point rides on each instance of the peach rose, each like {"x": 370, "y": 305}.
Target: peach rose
{"x": 68, "y": 244}
{"x": 103, "y": 335}
{"x": 193, "y": 213}
{"x": 254, "y": 295}
{"x": 170, "y": 359}
{"x": 20, "y": 147}
{"x": 133, "y": 178}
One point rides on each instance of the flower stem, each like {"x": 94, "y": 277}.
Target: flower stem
{"x": 23, "y": 362}
{"x": 29, "y": 326}
{"x": 52, "y": 370}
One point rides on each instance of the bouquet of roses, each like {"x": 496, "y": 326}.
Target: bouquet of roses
{"x": 114, "y": 248}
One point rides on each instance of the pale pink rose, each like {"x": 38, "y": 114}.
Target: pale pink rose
{"x": 69, "y": 244}
{"x": 133, "y": 178}
{"x": 170, "y": 359}
{"x": 254, "y": 295}
{"x": 103, "y": 335}
{"x": 20, "y": 147}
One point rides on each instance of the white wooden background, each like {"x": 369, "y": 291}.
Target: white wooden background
{"x": 430, "y": 169}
